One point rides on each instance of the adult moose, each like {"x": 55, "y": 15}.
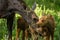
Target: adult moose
{"x": 8, "y": 9}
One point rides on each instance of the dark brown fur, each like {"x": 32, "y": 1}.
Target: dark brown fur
{"x": 22, "y": 25}
{"x": 27, "y": 31}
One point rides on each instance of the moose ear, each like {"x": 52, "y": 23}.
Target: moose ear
{"x": 34, "y": 6}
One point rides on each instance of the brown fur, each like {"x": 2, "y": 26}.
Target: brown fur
{"x": 21, "y": 25}
{"x": 46, "y": 26}
{"x": 27, "y": 31}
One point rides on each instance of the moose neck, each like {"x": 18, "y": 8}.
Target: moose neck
{"x": 23, "y": 10}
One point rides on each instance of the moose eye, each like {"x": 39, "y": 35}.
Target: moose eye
{"x": 42, "y": 20}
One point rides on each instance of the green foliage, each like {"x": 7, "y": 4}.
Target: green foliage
{"x": 51, "y": 4}
{"x": 3, "y": 28}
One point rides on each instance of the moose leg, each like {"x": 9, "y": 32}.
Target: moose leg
{"x": 52, "y": 35}
{"x": 34, "y": 36}
{"x": 17, "y": 33}
{"x": 9, "y": 25}
{"x": 23, "y": 35}
{"x": 47, "y": 37}
{"x": 26, "y": 34}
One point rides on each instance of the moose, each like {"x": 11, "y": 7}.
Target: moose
{"x": 22, "y": 25}
{"x": 8, "y": 8}
{"x": 46, "y": 26}
{"x": 27, "y": 31}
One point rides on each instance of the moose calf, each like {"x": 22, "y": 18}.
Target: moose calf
{"x": 46, "y": 26}
{"x": 21, "y": 25}
{"x": 27, "y": 31}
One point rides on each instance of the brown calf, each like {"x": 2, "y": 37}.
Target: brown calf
{"x": 46, "y": 26}
{"x": 27, "y": 31}
{"x": 21, "y": 25}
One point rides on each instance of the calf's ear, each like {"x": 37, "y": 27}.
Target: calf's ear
{"x": 34, "y": 6}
